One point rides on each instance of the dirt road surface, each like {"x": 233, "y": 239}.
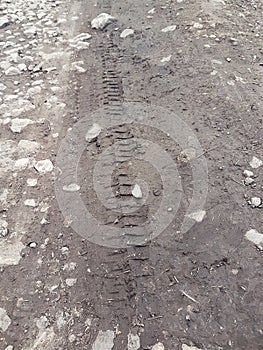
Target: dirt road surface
{"x": 131, "y": 180}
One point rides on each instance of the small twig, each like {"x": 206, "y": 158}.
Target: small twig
{"x": 207, "y": 151}
{"x": 239, "y": 183}
{"x": 189, "y": 297}
{"x": 154, "y": 318}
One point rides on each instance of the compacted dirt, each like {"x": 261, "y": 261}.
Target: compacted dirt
{"x": 194, "y": 66}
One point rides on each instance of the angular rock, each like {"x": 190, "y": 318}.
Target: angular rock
{"x": 93, "y": 132}
{"x": 169, "y": 29}
{"x": 12, "y": 71}
{"x": 102, "y": 20}
{"x": 21, "y": 164}
{"x": 137, "y": 192}
{"x": 255, "y": 237}
{"x": 4, "y": 22}
{"x": 31, "y": 182}
{"x": 44, "y": 166}
{"x": 26, "y": 147}
{"x": 5, "y": 320}
{"x": 30, "y": 203}
{"x": 17, "y": 125}
{"x": 104, "y": 341}
{"x": 3, "y": 228}
{"x": 158, "y": 346}
{"x": 71, "y": 188}
{"x": 255, "y": 202}
{"x": 256, "y": 163}
{"x": 186, "y": 347}
{"x": 133, "y": 342}
{"x": 198, "y": 216}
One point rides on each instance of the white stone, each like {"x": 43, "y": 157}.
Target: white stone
{"x": 255, "y": 202}
{"x": 255, "y": 163}
{"x": 198, "y": 216}
{"x": 30, "y": 202}
{"x": 31, "y": 182}
{"x": 126, "y": 33}
{"x": 101, "y": 21}
{"x": 198, "y": 25}
{"x": 158, "y": 346}
{"x": 21, "y": 164}
{"x": 248, "y": 173}
{"x": 2, "y": 87}
{"x": 93, "y": 132}
{"x": 186, "y": 347}
{"x": 169, "y": 29}
{"x": 44, "y": 166}
{"x": 10, "y": 251}
{"x": 255, "y": 237}
{"x": 104, "y": 341}
{"x": 33, "y": 245}
{"x": 71, "y": 188}
{"x": 3, "y": 228}
{"x": 9, "y": 347}
{"x": 152, "y": 11}
{"x": 26, "y": 147}
{"x": 71, "y": 281}
{"x": 17, "y": 125}
{"x": 133, "y": 342}
{"x": 5, "y": 320}
{"x": 166, "y": 59}
{"x": 136, "y": 191}
{"x": 77, "y": 66}
{"x": 249, "y": 181}
{"x": 12, "y": 71}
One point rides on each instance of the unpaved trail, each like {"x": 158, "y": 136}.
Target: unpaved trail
{"x": 68, "y": 284}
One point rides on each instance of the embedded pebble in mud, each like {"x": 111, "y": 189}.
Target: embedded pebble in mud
{"x": 30, "y": 203}
{"x": 104, "y": 341}
{"x": 26, "y": 147}
{"x": 136, "y": 191}
{"x": 255, "y": 202}
{"x": 10, "y": 251}
{"x": 5, "y": 320}
{"x": 17, "y": 125}
{"x": 255, "y": 163}
{"x": 186, "y": 347}
{"x": 44, "y": 166}
{"x": 198, "y": 216}
{"x": 126, "y": 33}
{"x": 93, "y": 132}
{"x": 71, "y": 188}
{"x": 70, "y": 282}
{"x": 31, "y": 182}
{"x": 21, "y": 164}
{"x": 3, "y": 228}
{"x": 255, "y": 237}
{"x": 158, "y": 346}
{"x": 166, "y": 59}
{"x": 169, "y": 29}
{"x": 102, "y": 20}
{"x": 133, "y": 342}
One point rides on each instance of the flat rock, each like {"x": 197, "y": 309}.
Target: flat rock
{"x": 255, "y": 237}
{"x": 186, "y": 347}
{"x": 93, "y": 132}
{"x": 31, "y": 182}
{"x": 166, "y": 59}
{"x": 30, "y": 203}
{"x": 169, "y": 29}
{"x": 158, "y": 346}
{"x": 198, "y": 216}
{"x": 26, "y": 147}
{"x": 17, "y": 125}
{"x": 255, "y": 202}
{"x": 256, "y": 163}
{"x": 21, "y": 164}
{"x": 5, "y": 320}
{"x": 126, "y": 32}
{"x": 104, "y": 341}
{"x": 44, "y": 166}
{"x": 12, "y": 71}
{"x": 102, "y": 20}
{"x": 71, "y": 188}
{"x": 133, "y": 342}
{"x": 10, "y": 251}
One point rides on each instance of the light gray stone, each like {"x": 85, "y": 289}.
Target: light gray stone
{"x": 5, "y": 320}
{"x": 104, "y": 341}
{"x": 101, "y": 21}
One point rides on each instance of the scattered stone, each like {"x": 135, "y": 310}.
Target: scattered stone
{"x": 198, "y": 25}
{"x": 133, "y": 342}
{"x": 198, "y": 216}
{"x": 169, "y": 29}
{"x": 21, "y": 164}
{"x": 77, "y": 66}
{"x": 4, "y": 22}
{"x": 93, "y": 132}
{"x": 32, "y": 245}
{"x": 248, "y": 173}
{"x": 9, "y": 347}
{"x": 255, "y": 202}
{"x": 126, "y": 33}
{"x": 26, "y": 147}
{"x": 71, "y": 188}
{"x": 255, "y": 237}
{"x": 12, "y": 71}
{"x": 152, "y": 11}
{"x": 166, "y": 59}
{"x": 44, "y": 166}
{"x": 3, "y": 228}
{"x": 71, "y": 281}
{"x": 137, "y": 192}
{"x": 30, "y": 203}
{"x": 42, "y": 323}
{"x": 72, "y": 338}
{"x": 17, "y": 125}
{"x": 31, "y": 182}
{"x": 80, "y": 41}
{"x": 158, "y": 346}
{"x": 104, "y": 341}
{"x": 186, "y": 347}
{"x": 10, "y": 251}
{"x": 5, "y": 320}
{"x": 249, "y": 181}
{"x": 255, "y": 163}
{"x": 102, "y": 20}
{"x": 2, "y": 87}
